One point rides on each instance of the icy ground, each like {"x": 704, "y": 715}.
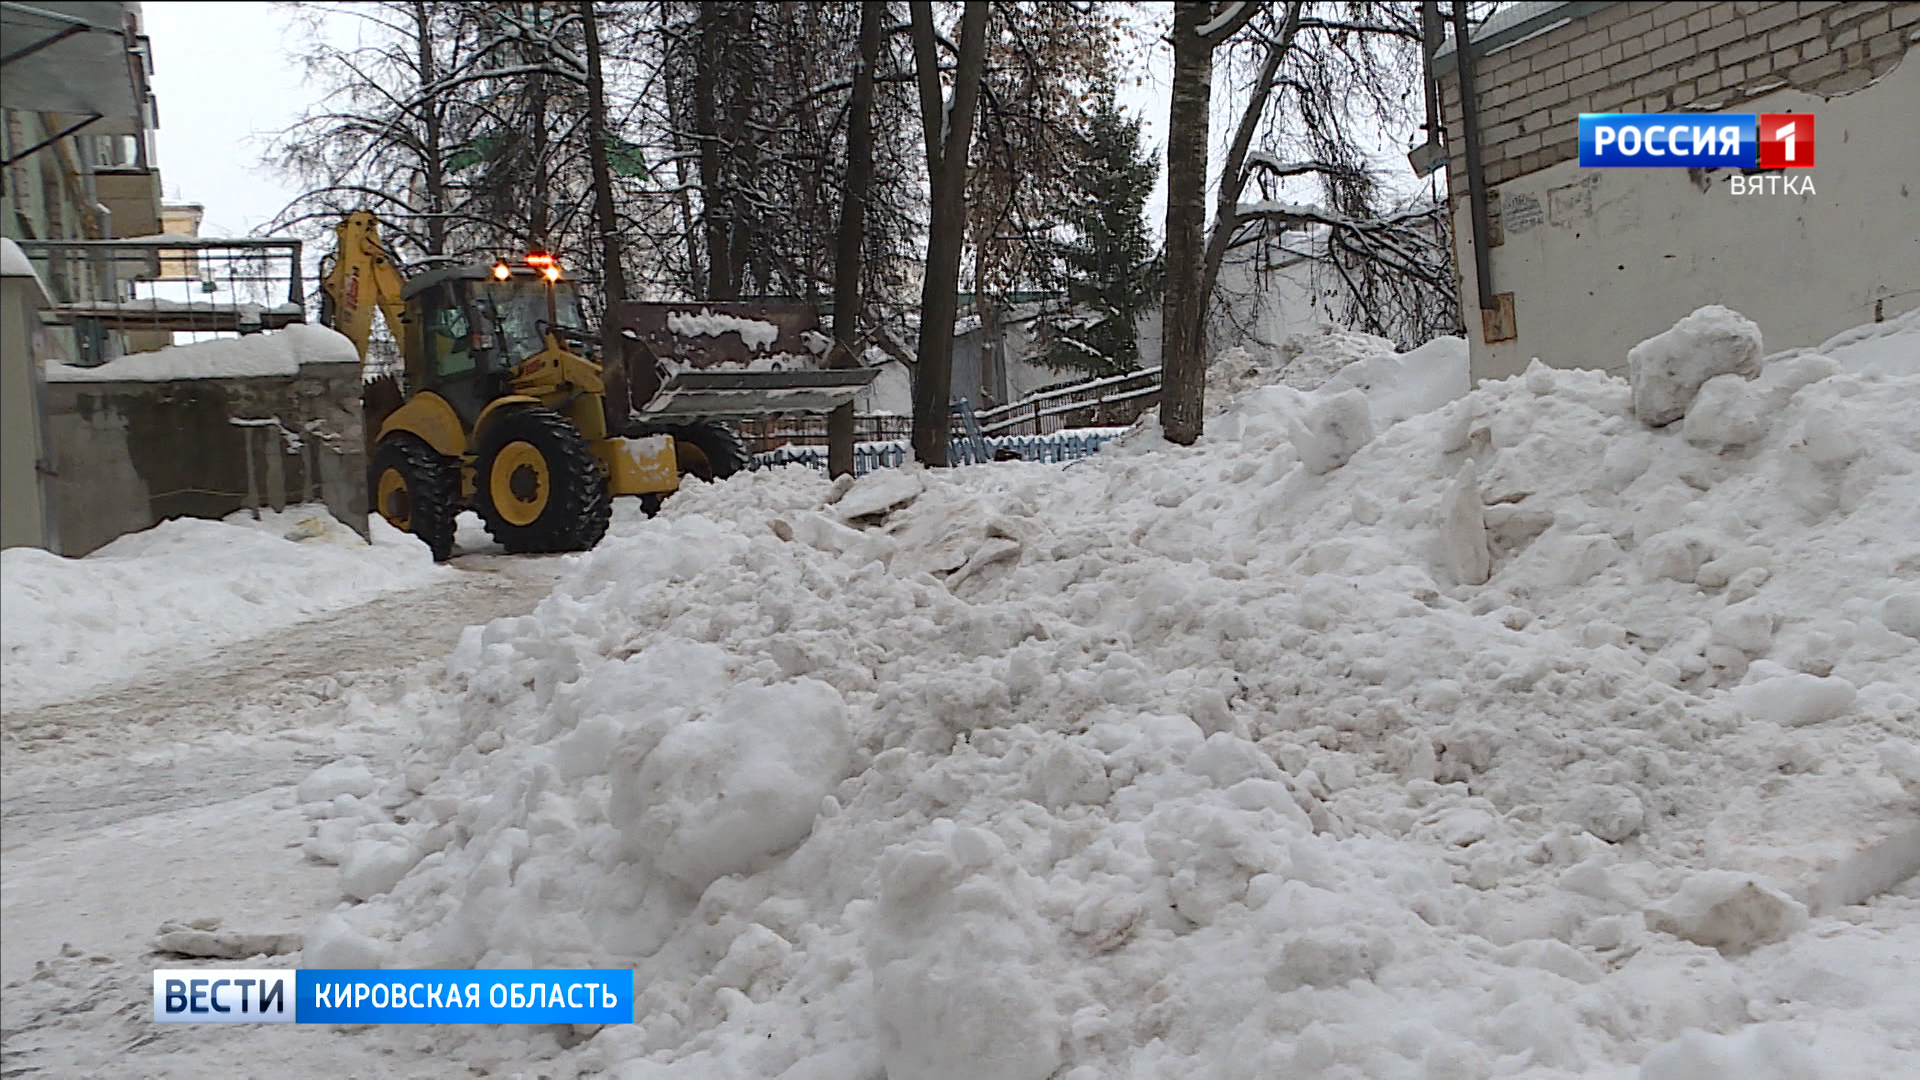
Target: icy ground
{"x": 167, "y": 799}
{"x": 1393, "y": 731}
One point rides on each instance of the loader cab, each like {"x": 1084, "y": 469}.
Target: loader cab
{"x": 468, "y": 329}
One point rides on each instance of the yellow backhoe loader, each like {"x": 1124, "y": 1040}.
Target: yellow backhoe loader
{"x": 497, "y": 413}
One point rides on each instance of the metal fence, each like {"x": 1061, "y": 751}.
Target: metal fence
{"x": 868, "y": 456}
{"x": 1117, "y": 400}
{"x": 134, "y": 295}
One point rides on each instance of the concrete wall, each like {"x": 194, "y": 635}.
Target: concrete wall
{"x": 23, "y": 512}
{"x": 127, "y": 455}
{"x": 1599, "y": 259}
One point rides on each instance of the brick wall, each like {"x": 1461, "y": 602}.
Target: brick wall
{"x": 1664, "y": 57}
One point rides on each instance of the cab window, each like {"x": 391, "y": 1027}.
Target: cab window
{"x": 449, "y": 336}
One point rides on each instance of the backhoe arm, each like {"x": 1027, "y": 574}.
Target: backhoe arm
{"x": 362, "y": 280}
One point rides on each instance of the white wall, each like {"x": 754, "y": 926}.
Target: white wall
{"x": 1617, "y": 255}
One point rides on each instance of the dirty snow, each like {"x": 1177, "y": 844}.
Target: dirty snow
{"x": 757, "y": 333}
{"x": 276, "y": 352}
{"x": 181, "y": 590}
{"x": 1500, "y": 734}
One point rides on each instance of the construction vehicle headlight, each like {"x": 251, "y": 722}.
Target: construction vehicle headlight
{"x": 552, "y": 273}
{"x": 501, "y": 272}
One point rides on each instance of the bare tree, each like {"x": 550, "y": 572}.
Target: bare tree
{"x": 1199, "y": 27}
{"x": 1322, "y": 75}
{"x": 948, "y": 124}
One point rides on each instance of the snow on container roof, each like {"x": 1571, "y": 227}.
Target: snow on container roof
{"x": 1514, "y": 24}
{"x": 14, "y": 263}
{"x": 280, "y": 352}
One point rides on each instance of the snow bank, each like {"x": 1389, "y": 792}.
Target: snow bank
{"x": 1440, "y": 760}
{"x": 183, "y": 589}
{"x": 276, "y": 352}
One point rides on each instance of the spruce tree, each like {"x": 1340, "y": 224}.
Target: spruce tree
{"x": 1109, "y": 268}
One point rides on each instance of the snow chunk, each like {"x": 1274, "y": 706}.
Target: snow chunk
{"x": 1729, "y": 411}
{"x": 958, "y": 990}
{"x": 1668, "y": 369}
{"x": 758, "y": 334}
{"x": 878, "y": 492}
{"x": 276, "y": 352}
{"x": 1901, "y": 613}
{"x": 1729, "y": 911}
{"x": 348, "y": 776}
{"x": 1608, "y": 811}
{"x": 1463, "y": 529}
{"x": 374, "y": 866}
{"x": 1760, "y": 1052}
{"x": 1333, "y": 430}
{"x": 744, "y": 782}
{"x": 1796, "y": 700}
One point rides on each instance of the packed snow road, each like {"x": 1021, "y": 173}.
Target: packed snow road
{"x": 168, "y": 799}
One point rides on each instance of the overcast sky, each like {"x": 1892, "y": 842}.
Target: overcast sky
{"x": 223, "y": 81}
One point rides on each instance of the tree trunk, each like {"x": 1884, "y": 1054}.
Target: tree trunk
{"x": 852, "y": 238}
{"x": 613, "y": 275}
{"x": 706, "y": 128}
{"x": 1183, "y": 365}
{"x": 432, "y": 158}
{"x": 540, "y": 220}
{"x": 949, "y": 135}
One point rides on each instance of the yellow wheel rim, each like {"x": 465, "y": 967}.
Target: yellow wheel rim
{"x": 394, "y": 503}
{"x": 519, "y": 483}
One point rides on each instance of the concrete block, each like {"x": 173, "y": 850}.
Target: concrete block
{"x": 1793, "y": 33}
{"x": 1671, "y": 55}
{"x": 1891, "y": 43}
{"x": 1743, "y": 50}
{"x": 1815, "y": 70}
{"x": 1771, "y": 16}
{"x": 1630, "y": 27}
{"x": 1721, "y": 34}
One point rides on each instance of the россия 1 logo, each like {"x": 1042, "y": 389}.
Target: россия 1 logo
{"x": 1697, "y": 140}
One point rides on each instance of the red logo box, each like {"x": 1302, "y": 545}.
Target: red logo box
{"x": 1786, "y": 140}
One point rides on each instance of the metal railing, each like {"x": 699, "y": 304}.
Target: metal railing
{"x": 1116, "y": 400}
{"x": 136, "y": 294}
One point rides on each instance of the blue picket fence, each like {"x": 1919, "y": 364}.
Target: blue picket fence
{"x": 1060, "y": 446}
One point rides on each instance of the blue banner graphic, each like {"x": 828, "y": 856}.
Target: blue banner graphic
{"x": 1669, "y": 140}
{"x": 345, "y": 996}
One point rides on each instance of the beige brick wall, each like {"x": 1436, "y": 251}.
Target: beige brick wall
{"x": 1665, "y": 57}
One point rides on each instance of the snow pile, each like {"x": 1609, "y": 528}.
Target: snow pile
{"x": 758, "y": 334}
{"x": 277, "y": 352}
{"x": 183, "y": 589}
{"x": 1507, "y": 739}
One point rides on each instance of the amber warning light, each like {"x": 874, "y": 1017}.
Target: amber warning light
{"x": 546, "y": 265}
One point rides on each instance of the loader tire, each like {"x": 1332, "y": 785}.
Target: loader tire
{"x": 707, "y": 449}
{"x": 416, "y": 490}
{"x": 537, "y": 486}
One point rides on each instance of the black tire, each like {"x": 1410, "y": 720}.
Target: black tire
{"x": 552, "y": 490}
{"x": 717, "y": 450}
{"x": 416, "y": 490}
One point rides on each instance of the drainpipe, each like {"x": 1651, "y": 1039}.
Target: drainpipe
{"x": 1476, "y": 178}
